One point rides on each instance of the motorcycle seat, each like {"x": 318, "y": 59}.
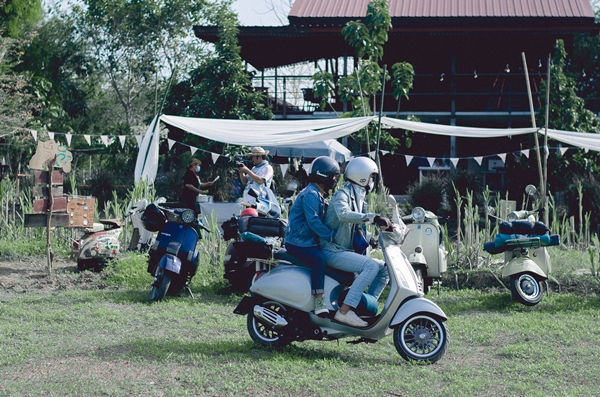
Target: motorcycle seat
{"x": 341, "y": 276}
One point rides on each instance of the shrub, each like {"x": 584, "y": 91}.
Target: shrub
{"x": 429, "y": 194}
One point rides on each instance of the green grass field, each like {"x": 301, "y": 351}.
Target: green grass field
{"x": 112, "y": 343}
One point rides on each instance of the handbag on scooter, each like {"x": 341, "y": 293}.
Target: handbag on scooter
{"x": 359, "y": 241}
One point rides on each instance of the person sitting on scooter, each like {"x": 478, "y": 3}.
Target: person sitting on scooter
{"x": 346, "y": 210}
{"x": 305, "y": 224}
{"x": 192, "y": 184}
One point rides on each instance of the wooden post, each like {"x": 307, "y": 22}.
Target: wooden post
{"x": 535, "y": 134}
{"x": 49, "y": 252}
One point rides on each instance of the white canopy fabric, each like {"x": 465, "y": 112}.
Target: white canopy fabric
{"x": 329, "y": 147}
{"x": 298, "y": 133}
{"x": 268, "y": 132}
{"x": 450, "y": 130}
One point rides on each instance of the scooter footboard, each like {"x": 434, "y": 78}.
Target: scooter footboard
{"x": 416, "y": 305}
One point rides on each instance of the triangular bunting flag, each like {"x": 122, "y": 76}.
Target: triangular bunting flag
{"x": 372, "y": 154}
{"x": 384, "y": 152}
{"x": 122, "y": 140}
{"x": 586, "y": 149}
{"x": 502, "y": 157}
{"x": 454, "y": 161}
{"x": 34, "y": 133}
{"x": 431, "y": 160}
{"x": 138, "y": 138}
{"x": 284, "y": 168}
{"x": 171, "y": 142}
{"x": 525, "y": 153}
{"x": 104, "y": 140}
{"x": 478, "y": 159}
{"x": 87, "y": 138}
{"x": 306, "y": 167}
{"x": 215, "y": 157}
{"x": 408, "y": 159}
{"x": 193, "y": 149}
{"x": 563, "y": 150}
{"x": 68, "y": 136}
{"x": 51, "y": 135}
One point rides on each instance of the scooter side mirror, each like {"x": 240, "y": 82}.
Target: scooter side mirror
{"x": 491, "y": 211}
{"x": 530, "y": 190}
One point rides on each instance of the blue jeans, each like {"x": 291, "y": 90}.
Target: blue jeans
{"x": 372, "y": 273}
{"x": 312, "y": 256}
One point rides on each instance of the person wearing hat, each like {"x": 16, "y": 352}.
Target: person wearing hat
{"x": 259, "y": 177}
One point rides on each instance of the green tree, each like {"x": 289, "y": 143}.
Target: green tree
{"x": 567, "y": 112}
{"x": 18, "y": 16}
{"x": 361, "y": 87}
{"x": 138, "y": 46}
{"x": 220, "y": 87}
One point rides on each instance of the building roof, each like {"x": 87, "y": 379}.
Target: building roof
{"x": 445, "y": 8}
{"x": 315, "y": 26}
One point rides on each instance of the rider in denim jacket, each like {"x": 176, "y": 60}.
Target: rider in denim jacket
{"x": 306, "y": 227}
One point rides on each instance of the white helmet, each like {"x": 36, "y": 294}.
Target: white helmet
{"x": 361, "y": 171}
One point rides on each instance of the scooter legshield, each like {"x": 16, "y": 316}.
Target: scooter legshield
{"x": 170, "y": 263}
{"x": 522, "y": 265}
{"x": 416, "y": 305}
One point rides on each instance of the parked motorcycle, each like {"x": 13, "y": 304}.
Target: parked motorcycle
{"x": 425, "y": 247}
{"x": 141, "y": 238}
{"x": 253, "y": 238}
{"x": 523, "y": 240}
{"x": 280, "y": 308}
{"x": 173, "y": 257}
{"x": 99, "y": 243}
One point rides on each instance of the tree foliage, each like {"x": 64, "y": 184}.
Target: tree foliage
{"x": 17, "y": 17}
{"x": 220, "y": 87}
{"x": 361, "y": 87}
{"x": 567, "y": 112}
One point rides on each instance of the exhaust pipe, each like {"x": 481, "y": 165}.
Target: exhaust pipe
{"x": 269, "y": 317}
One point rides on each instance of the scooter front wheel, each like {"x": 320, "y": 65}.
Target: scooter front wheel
{"x": 526, "y": 289}
{"x": 160, "y": 286}
{"x": 262, "y": 332}
{"x": 422, "y": 338}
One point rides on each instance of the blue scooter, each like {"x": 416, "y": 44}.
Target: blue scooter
{"x": 173, "y": 257}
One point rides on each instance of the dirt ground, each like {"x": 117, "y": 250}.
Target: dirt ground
{"x": 32, "y": 275}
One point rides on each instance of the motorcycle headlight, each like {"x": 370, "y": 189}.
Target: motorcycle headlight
{"x": 188, "y": 216}
{"x": 513, "y": 216}
{"x": 418, "y": 214}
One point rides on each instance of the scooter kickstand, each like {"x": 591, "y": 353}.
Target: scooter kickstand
{"x": 187, "y": 288}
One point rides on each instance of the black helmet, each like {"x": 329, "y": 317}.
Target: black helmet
{"x": 153, "y": 218}
{"x": 324, "y": 170}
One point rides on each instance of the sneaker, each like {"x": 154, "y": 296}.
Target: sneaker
{"x": 320, "y": 307}
{"x": 350, "y": 318}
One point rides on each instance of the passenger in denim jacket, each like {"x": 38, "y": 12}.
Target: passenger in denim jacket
{"x": 306, "y": 227}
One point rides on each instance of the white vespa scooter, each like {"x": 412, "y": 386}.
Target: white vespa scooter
{"x": 280, "y": 306}
{"x": 523, "y": 240}
{"x": 424, "y": 246}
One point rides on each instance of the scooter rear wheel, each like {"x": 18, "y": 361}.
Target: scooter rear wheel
{"x": 422, "y": 338}
{"x": 161, "y": 286}
{"x": 526, "y": 289}
{"x": 262, "y": 333}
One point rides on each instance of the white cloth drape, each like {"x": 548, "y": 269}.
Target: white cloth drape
{"x": 269, "y": 133}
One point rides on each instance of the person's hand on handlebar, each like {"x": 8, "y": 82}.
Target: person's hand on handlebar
{"x": 383, "y": 222}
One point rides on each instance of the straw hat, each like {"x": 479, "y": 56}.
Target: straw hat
{"x": 258, "y": 151}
